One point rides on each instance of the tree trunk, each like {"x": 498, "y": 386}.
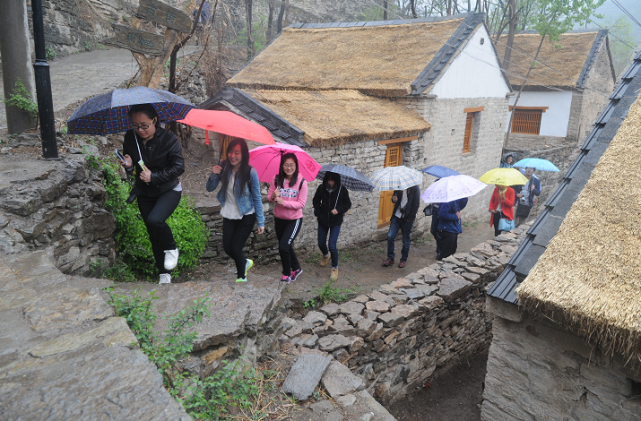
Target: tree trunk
{"x": 384, "y": 9}
{"x": 510, "y": 35}
{"x": 250, "y": 40}
{"x": 270, "y": 19}
{"x": 280, "y": 16}
{"x": 449, "y": 7}
{"x": 413, "y": 6}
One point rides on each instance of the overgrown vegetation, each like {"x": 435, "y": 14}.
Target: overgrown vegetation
{"x": 20, "y": 98}
{"x": 132, "y": 240}
{"x": 50, "y": 53}
{"x": 230, "y": 391}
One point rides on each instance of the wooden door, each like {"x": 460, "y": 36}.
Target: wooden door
{"x": 393, "y": 158}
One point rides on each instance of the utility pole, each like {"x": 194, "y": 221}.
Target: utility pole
{"x": 16, "y": 61}
{"x": 43, "y": 84}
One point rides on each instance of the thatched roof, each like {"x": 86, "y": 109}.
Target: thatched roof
{"x": 336, "y": 117}
{"x": 589, "y": 278}
{"x": 380, "y": 60}
{"x": 561, "y": 62}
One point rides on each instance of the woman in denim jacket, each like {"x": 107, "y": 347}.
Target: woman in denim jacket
{"x": 242, "y": 205}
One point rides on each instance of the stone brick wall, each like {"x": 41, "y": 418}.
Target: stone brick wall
{"x": 599, "y": 84}
{"x": 444, "y": 142}
{"x": 57, "y": 206}
{"x": 537, "y": 370}
{"x": 415, "y": 328}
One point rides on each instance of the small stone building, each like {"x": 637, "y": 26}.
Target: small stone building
{"x": 565, "y": 91}
{"x": 567, "y": 328}
{"x": 374, "y": 94}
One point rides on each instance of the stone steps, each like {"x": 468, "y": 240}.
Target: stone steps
{"x": 63, "y": 354}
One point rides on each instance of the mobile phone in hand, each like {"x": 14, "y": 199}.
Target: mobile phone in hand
{"x": 119, "y": 156}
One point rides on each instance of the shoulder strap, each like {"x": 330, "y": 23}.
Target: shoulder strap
{"x": 301, "y": 183}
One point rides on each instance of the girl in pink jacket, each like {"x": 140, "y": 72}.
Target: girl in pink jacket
{"x": 289, "y": 191}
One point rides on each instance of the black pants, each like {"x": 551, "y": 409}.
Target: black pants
{"x": 235, "y": 235}
{"x": 447, "y": 244}
{"x": 155, "y": 211}
{"x": 497, "y": 218}
{"x": 286, "y": 232}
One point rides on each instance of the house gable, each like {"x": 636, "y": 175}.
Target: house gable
{"x": 485, "y": 81}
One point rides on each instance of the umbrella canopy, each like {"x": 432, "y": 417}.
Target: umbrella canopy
{"x": 452, "y": 188}
{"x": 109, "y": 113}
{"x": 350, "y": 178}
{"x": 439, "y": 171}
{"x": 266, "y": 161}
{"x": 228, "y": 123}
{"x": 503, "y": 177}
{"x": 538, "y": 164}
{"x": 396, "y": 178}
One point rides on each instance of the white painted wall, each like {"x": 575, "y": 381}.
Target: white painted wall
{"x": 554, "y": 121}
{"x": 474, "y": 73}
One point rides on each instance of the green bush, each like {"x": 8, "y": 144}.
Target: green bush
{"x": 21, "y": 99}
{"x": 132, "y": 240}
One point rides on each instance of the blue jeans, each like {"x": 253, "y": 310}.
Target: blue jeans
{"x": 406, "y": 228}
{"x": 333, "y": 238}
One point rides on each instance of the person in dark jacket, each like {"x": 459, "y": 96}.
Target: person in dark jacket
{"x": 406, "y": 204}
{"x": 154, "y": 157}
{"x": 525, "y": 196}
{"x": 331, "y": 201}
{"x": 450, "y": 226}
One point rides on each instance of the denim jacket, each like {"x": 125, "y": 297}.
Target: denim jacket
{"x": 250, "y": 200}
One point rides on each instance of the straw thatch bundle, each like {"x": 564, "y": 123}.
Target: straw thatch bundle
{"x": 589, "y": 278}
{"x": 380, "y": 60}
{"x": 336, "y": 117}
{"x": 567, "y": 56}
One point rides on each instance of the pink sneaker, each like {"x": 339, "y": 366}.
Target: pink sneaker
{"x": 295, "y": 273}
{"x": 285, "y": 278}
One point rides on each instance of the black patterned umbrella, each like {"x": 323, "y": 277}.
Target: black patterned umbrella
{"x": 350, "y": 178}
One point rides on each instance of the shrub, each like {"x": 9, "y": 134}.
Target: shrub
{"x": 21, "y": 99}
{"x": 132, "y": 240}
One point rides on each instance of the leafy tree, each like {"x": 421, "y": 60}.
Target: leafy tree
{"x": 622, "y": 41}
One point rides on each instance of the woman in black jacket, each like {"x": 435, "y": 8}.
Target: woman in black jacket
{"x": 154, "y": 156}
{"x": 331, "y": 201}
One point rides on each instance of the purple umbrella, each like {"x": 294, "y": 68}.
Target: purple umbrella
{"x": 452, "y": 188}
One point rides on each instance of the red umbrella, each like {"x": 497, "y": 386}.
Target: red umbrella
{"x": 228, "y": 123}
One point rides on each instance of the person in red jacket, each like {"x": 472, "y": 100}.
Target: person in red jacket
{"x": 501, "y": 206}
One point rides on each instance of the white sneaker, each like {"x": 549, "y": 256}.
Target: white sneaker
{"x": 165, "y": 278}
{"x": 171, "y": 259}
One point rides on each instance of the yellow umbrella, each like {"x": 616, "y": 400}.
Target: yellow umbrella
{"x": 504, "y": 177}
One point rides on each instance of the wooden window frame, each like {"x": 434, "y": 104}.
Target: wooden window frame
{"x": 467, "y": 134}
{"x": 527, "y": 120}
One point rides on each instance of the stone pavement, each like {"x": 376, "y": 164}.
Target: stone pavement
{"x": 63, "y": 356}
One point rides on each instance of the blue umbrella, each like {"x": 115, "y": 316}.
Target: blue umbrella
{"x": 350, "y": 178}
{"x": 109, "y": 113}
{"x": 439, "y": 171}
{"x": 538, "y": 164}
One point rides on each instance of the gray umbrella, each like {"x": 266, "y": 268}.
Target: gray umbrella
{"x": 350, "y": 178}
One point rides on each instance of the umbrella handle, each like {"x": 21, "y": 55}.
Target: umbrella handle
{"x": 207, "y": 137}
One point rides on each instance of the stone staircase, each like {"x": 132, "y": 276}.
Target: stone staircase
{"x": 63, "y": 354}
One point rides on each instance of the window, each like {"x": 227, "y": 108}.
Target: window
{"x": 527, "y": 120}
{"x": 472, "y": 123}
{"x": 393, "y": 158}
{"x": 467, "y": 139}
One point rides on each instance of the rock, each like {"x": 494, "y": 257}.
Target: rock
{"x": 366, "y": 327}
{"x": 361, "y": 299}
{"x": 215, "y": 355}
{"x": 505, "y": 237}
{"x": 388, "y": 289}
{"x": 306, "y": 340}
{"x": 331, "y": 343}
{"x": 334, "y": 416}
{"x": 342, "y": 326}
{"x": 377, "y": 333}
{"x": 472, "y": 277}
{"x": 399, "y": 298}
{"x": 427, "y": 290}
{"x": 503, "y": 258}
{"x": 347, "y": 400}
{"x": 315, "y": 318}
{"x": 402, "y": 283}
{"x": 322, "y": 407}
{"x": 295, "y": 330}
{"x": 330, "y": 309}
{"x": 379, "y": 306}
{"x": 450, "y": 289}
{"x": 371, "y": 314}
{"x": 406, "y": 310}
{"x": 476, "y": 262}
{"x": 305, "y": 374}
{"x": 357, "y": 343}
{"x": 454, "y": 261}
{"x": 479, "y": 271}
{"x": 287, "y": 323}
{"x": 377, "y": 296}
{"x": 413, "y": 294}
{"x": 391, "y": 319}
{"x": 431, "y": 280}
{"x": 509, "y": 249}
{"x": 429, "y": 271}
{"x": 338, "y": 380}
{"x": 351, "y": 307}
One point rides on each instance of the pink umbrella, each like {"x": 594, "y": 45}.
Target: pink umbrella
{"x": 228, "y": 123}
{"x": 266, "y": 161}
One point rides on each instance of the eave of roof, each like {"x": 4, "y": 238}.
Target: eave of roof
{"x": 556, "y": 208}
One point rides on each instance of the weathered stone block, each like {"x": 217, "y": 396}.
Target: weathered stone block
{"x": 450, "y": 289}
{"x": 331, "y": 343}
{"x": 305, "y": 374}
{"x": 338, "y": 380}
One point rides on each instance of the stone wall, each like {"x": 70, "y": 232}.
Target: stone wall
{"x": 444, "y": 142}
{"x": 414, "y": 328}
{"x": 57, "y": 206}
{"x": 537, "y": 370}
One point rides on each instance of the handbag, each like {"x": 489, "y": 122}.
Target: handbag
{"x": 506, "y": 224}
{"x": 428, "y": 210}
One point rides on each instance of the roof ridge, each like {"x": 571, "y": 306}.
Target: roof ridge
{"x": 596, "y": 44}
{"x": 325, "y": 25}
